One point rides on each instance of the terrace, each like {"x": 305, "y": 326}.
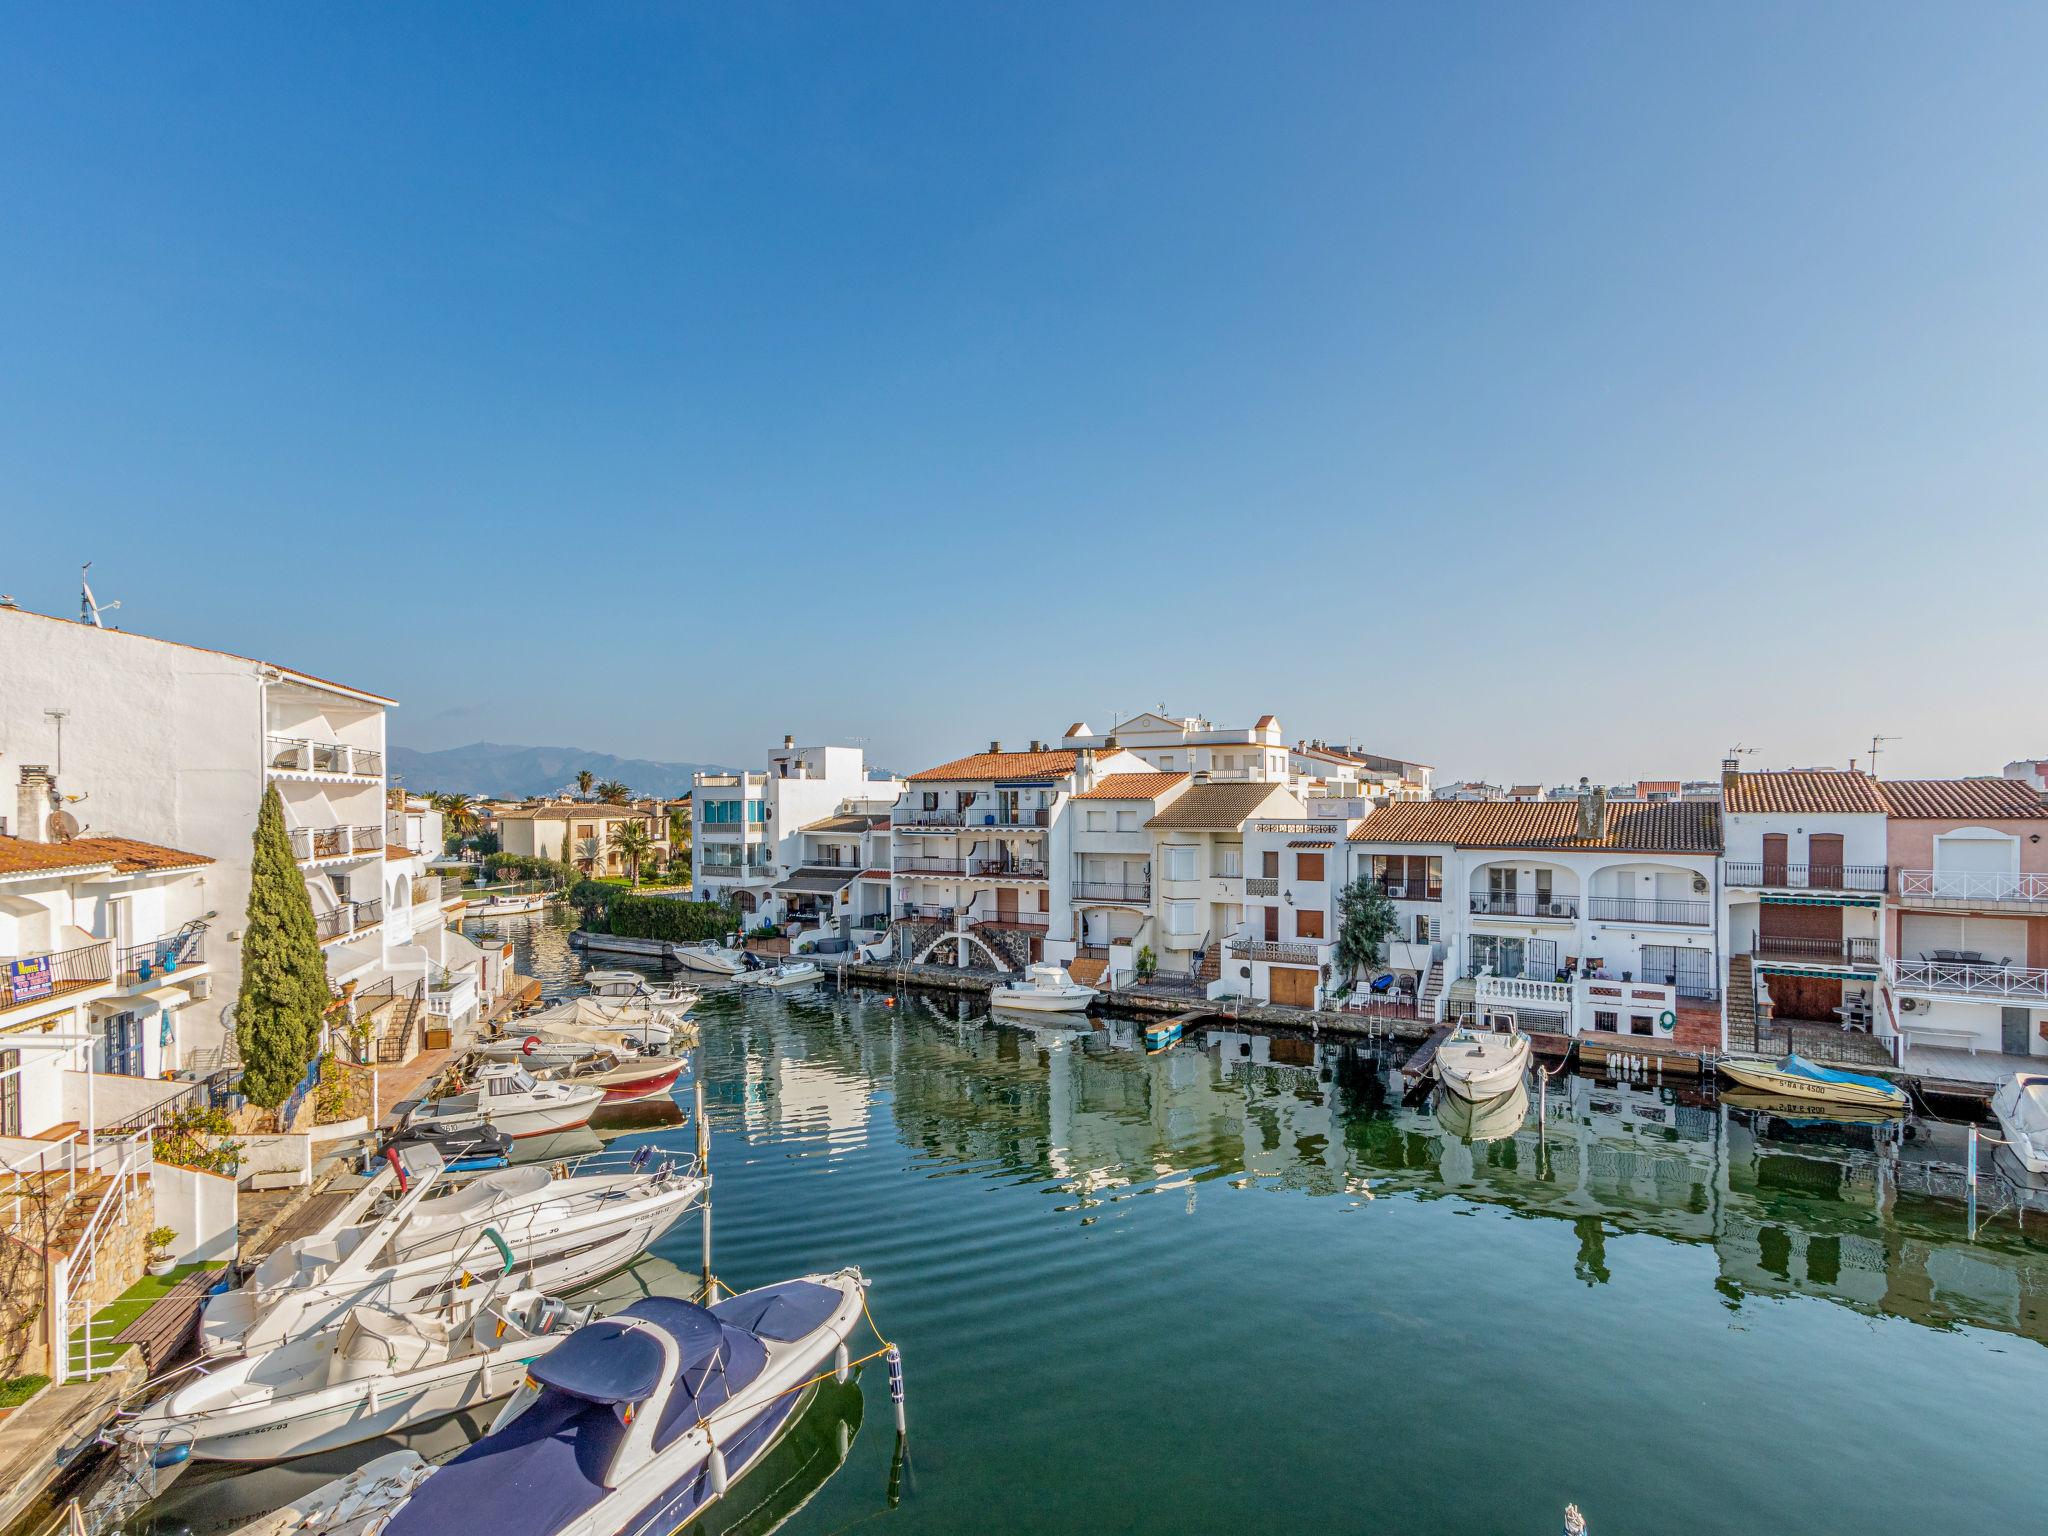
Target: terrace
{"x": 38, "y": 978}
{"x": 1809, "y": 877}
{"x": 314, "y": 845}
{"x": 1998, "y": 981}
{"x": 1971, "y": 885}
{"x": 331, "y": 759}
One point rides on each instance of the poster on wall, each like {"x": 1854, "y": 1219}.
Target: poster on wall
{"x": 27, "y": 979}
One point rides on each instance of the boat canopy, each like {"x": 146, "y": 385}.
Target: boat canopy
{"x": 2029, "y": 1111}
{"x": 1798, "y": 1066}
{"x": 604, "y": 1362}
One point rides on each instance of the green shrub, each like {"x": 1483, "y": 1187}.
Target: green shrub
{"x": 16, "y": 1390}
{"x": 659, "y": 917}
{"x": 195, "y": 1138}
{"x": 1146, "y": 963}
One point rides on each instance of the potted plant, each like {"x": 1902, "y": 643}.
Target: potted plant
{"x": 160, "y": 1260}
{"x": 1147, "y": 963}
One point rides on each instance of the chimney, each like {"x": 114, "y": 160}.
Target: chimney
{"x": 1592, "y": 812}
{"x": 1731, "y": 770}
{"x": 1084, "y": 770}
{"x": 789, "y": 743}
{"x": 34, "y": 801}
{"x": 1110, "y": 744}
{"x": 1037, "y": 745}
{"x": 1852, "y": 765}
{"x": 995, "y": 746}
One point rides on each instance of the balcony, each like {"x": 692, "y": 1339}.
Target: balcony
{"x": 1262, "y": 885}
{"x": 1650, "y": 909}
{"x": 1860, "y": 952}
{"x": 1000, "y": 919}
{"x": 346, "y": 919}
{"x": 918, "y": 820}
{"x": 1306, "y": 952}
{"x": 2017, "y": 984}
{"x": 1113, "y": 890}
{"x": 1009, "y": 869}
{"x": 923, "y": 912}
{"x": 1965, "y": 885}
{"x": 737, "y": 873}
{"x": 931, "y": 868}
{"x": 1413, "y": 890}
{"x": 295, "y": 754}
{"x": 38, "y": 978}
{"x": 1810, "y": 877}
{"x": 162, "y": 957}
{"x": 1539, "y": 905}
{"x": 315, "y": 844}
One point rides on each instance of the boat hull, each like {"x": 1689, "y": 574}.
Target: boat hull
{"x": 1488, "y": 1073}
{"x": 1766, "y": 1077}
{"x": 711, "y": 964}
{"x": 2027, "y": 1143}
{"x": 1037, "y": 1000}
{"x": 631, "y": 1089}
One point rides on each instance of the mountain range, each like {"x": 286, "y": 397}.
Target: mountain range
{"x": 506, "y": 772}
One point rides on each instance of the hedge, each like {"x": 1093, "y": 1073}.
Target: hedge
{"x": 526, "y": 867}
{"x": 659, "y": 917}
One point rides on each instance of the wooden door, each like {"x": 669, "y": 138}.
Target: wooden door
{"x": 1006, "y": 904}
{"x": 1293, "y": 986}
{"x": 1774, "y": 858}
{"x": 1811, "y": 999}
{"x": 1272, "y": 925}
{"x": 1824, "y": 861}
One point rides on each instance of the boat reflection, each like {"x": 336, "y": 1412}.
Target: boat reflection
{"x": 803, "y": 1461}
{"x": 1490, "y": 1120}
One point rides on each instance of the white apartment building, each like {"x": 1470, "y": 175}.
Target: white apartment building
{"x": 412, "y": 821}
{"x": 842, "y": 875}
{"x": 177, "y": 743}
{"x": 1190, "y": 744}
{"x": 748, "y": 828}
{"x": 982, "y": 853}
{"x": 1323, "y": 768}
{"x": 1109, "y": 888}
{"x": 1203, "y": 886}
{"x": 580, "y": 830}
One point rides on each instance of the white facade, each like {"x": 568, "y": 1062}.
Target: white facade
{"x": 1190, "y": 744}
{"x": 747, "y": 831}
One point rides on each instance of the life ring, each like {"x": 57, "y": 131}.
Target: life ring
{"x": 529, "y": 1045}
{"x": 1667, "y": 1020}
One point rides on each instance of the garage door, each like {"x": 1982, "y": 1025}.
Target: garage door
{"x": 1294, "y": 986}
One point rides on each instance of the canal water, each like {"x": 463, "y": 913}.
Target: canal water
{"x": 1240, "y": 1286}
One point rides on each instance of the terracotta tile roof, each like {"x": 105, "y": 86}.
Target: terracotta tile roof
{"x": 393, "y": 851}
{"x": 1002, "y": 765}
{"x": 1131, "y": 786}
{"x": 1214, "y": 807}
{"x": 1962, "y": 800}
{"x": 564, "y": 810}
{"x": 1657, "y": 786}
{"x": 1808, "y": 790}
{"x": 875, "y": 874}
{"x": 126, "y": 854}
{"x": 1263, "y": 721}
{"x": 1664, "y": 826}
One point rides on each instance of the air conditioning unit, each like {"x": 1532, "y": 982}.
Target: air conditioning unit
{"x": 1908, "y": 1004}
{"x": 202, "y": 988}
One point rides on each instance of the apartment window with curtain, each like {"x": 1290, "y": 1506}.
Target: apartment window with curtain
{"x": 1269, "y": 864}
{"x": 1308, "y": 923}
{"x": 1230, "y": 862}
{"x": 1180, "y": 861}
{"x": 1180, "y": 917}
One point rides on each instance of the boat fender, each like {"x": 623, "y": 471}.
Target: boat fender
{"x": 529, "y": 1045}
{"x": 640, "y": 1157}
{"x": 714, "y": 1468}
{"x": 170, "y": 1455}
{"x": 841, "y": 1368}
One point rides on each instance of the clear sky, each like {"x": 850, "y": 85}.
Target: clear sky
{"x": 1534, "y": 389}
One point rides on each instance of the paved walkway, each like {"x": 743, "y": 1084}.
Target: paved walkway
{"x": 1952, "y": 1066}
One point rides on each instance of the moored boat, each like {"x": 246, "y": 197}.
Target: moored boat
{"x": 1046, "y": 988}
{"x": 1162, "y": 1033}
{"x": 627, "y": 1082}
{"x": 1794, "y": 1077}
{"x": 671, "y": 997}
{"x": 2021, "y": 1105}
{"x": 506, "y": 1097}
{"x": 1483, "y": 1061}
{"x": 791, "y": 973}
{"x": 505, "y": 906}
{"x": 712, "y": 958}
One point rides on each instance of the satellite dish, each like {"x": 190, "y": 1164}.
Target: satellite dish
{"x": 63, "y": 826}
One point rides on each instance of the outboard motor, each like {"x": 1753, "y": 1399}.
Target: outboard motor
{"x": 754, "y": 961}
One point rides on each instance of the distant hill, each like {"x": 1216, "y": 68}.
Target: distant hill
{"x": 491, "y": 768}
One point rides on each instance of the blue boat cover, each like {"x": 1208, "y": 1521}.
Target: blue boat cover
{"x": 784, "y": 1312}
{"x": 707, "y": 1383}
{"x": 1798, "y": 1066}
{"x": 533, "y": 1478}
{"x": 603, "y": 1362}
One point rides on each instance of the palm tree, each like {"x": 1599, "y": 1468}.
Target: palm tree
{"x": 631, "y": 841}
{"x": 612, "y": 792}
{"x": 458, "y": 812}
{"x": 584, "y": 779}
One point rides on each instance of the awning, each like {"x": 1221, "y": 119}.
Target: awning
{"x": 1313, "y": 842}
{"x": 816, "y": 882}
{"x": 1823, "y": 901}
{"x": 163, "y": 998}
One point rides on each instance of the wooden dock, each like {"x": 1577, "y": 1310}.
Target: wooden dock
{"x": 1419, "y": 1069}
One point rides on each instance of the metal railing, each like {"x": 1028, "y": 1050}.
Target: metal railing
{"x": 994, "y": 816}
{"x": 923, "y": 818}
{"x": 64, "y": 970}
{"x": 1413, "y": 890}
{"x": 1810, "y": 877}
{"x": 922, "y": 866}
{"x": 74, "y": 1276}
{"x": 369, "y": 913}
{"x": 1113, "y": 890}
{"x": 1513, "y": 904}
{"x": 1969, "y": 885}
{"x": 338, "y": 924}
{"x": 1010, "y": 919}
{"x": 1816, "y": 951}
{"x": 1650, "y": 909}
{"x": 923, "y": 912}
{"x": 144, "y": 962}
{"x": 1010, "y": 869}
{"x": 1970, "y": 979}
{"x": 1270, "y": 949}
{"x": 299, "y": 754}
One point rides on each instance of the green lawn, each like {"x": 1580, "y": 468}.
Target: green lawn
{"x": 123, "y": 1310}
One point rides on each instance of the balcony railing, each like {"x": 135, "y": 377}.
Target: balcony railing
{"x": 1413, "y": 890}
{"x": 162, "y": 957}
{"x": 1810, "y": 877}
{"x": 32, "y": 978}
{"x": 1010, "y": 919}
{"x": 1112, "y": 890}
{"x": 1009, "y": 869}
{"x": 1650, "y": 909}
{"x": 338, "y": 924}
{"x": 1269, "y": 949}
{"x": 1965, "y": 885}
{"x": 1262, "y": 885}
{"x": 923, "y": 912}
{"x": 1969, "y": 979}
{"x": 1816, "y": 951}
{"x": 924, "y": 818}
{"x": 1510, "y": 904}
{"x": 293, "y": 754}
{"x": 369, "y": 913}
{"x": 336, "y": 842}
{"x": 922, "y": 866}
{"x": 992, "y": 816}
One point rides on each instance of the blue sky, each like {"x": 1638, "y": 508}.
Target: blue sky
{"x": 1537, "y": 390}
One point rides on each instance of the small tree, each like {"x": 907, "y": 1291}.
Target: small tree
{"x": 584, "y": 779}
{"x": 1366, "y": 919}
{"x": 612, "y": 792}
{"x": 633, "y": 843}
{"x": 284, "y": 979}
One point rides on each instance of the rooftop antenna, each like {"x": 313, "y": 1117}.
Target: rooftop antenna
{"x": 1877, "y": 746}
{"x": 90, "y": 609}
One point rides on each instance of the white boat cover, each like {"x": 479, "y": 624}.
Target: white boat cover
{"x": 473, "y": 1202}
{"x": 375, "y": 1343}
{"x": 2026, "y": 1111}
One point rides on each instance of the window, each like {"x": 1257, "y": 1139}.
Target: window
{"x": 1098, "y": 821}
{"x": 1606, "y": 1021}
{"x": 1641, "y": 1024}
{"x": 1308, "y": 866}
{"x": 1127, "y": 821}
{"x": 1180, "y": 861}
{"x": 1230, "y": 862}
{"x": 1165, "y": 760}
{"x": 1180, "y": 917}
{"x": 1269, "y": 864}
{"x": 1308, "y": 924}
{"x": 586, "y": 829}
{"x": 1227, "y": 760}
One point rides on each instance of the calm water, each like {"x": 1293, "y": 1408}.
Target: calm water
{"x": 1236, "y": 1287}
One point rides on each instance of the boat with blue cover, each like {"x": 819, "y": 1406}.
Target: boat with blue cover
{"x": 1794, "y": 1077}
{"x": 635, "y": 1424}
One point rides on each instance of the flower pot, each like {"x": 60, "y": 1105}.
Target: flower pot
{"x": 163, "y": 1266}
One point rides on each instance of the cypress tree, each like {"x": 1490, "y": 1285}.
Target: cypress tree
{"x": 284, "y": 979}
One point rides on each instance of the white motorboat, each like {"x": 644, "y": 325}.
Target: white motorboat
{"x": 349, "y": 1506}
{"x": 1045, "y": 989}
{"x": 506, "y": 1097}
{"x": 505, "y": 906}
{"x": 670, "y": 997}
{"x": 377, "y": 1373}
{"x": 633, "y": 1425}
{"x": 2021, "y": 1105}
{"x": 1481, "y": 1062}
{"x": 564, "y": 1230}
{"x": 614, "y": 1024}
{"x": 712, "y": 958}
{"x": 791, "y": 973}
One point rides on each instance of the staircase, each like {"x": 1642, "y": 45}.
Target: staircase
{"x": 1426, "y": 1004}
{"x": 1742, "y": 1004}
{"x": 1211, "y": 968}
